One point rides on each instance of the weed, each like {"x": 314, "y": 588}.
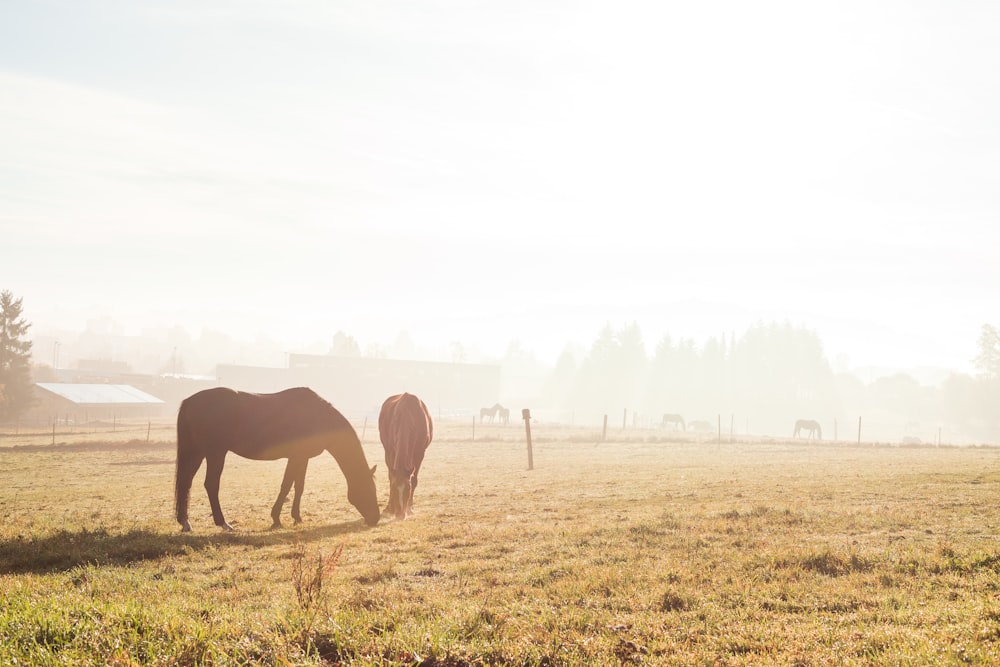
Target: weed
{"x": 308, "y": 576}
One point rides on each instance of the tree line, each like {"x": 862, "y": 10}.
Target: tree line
{"x": 765, "y": 379}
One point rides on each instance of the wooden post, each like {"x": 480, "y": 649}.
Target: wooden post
{"x": 54, "y": 430}
{"x": 719, "y": 419}
{"x": 624, "y": 418}
{"x": 731, "y": 418}
{"x": 859, "y": 429}
{"x": 939, "y": 436}
{"x": 149, "y": 424}
{"x": 364, "y": 428}
{"x": 473, "y": 428}
{"x": 604, "y": 431}
{"x": 835, "y": 429}
{"x": 526, "y": 416}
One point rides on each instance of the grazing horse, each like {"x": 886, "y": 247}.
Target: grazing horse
{"x": 406, "y": 429}
{"x": 673, "y": 421}
{"x": 504, "y": 414}
{"x": 293, "y": 424}
{"x": 809, "y": 425}
{"x": 489, "y": 412}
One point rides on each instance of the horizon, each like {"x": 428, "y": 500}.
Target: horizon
{"x": 429, "y": 350}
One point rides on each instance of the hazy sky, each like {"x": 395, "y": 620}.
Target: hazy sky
{"x": 487, "y": 171}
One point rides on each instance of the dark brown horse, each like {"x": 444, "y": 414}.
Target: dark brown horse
{"x": 294, "y": 424}
{"x": 406, "y": 429}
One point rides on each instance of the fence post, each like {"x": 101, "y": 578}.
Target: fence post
{"x": 526, "y": 416}
{"x": 859, "y": 429}
{"x": 364, "y": 428}
{"x": 473, "y": 428}
{"x": 149, "y": 424}
{"x": 604, "y": 431}
{"x": 719, "y": 419}
{"x": 624, "y": 418}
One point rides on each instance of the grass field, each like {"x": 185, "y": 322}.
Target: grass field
{"x": 637, "y": 550}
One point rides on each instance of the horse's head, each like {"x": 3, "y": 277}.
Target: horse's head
{"x": 362, "y": 494}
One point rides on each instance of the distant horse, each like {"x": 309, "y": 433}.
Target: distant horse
{"x": 673, "y": 421}
{"x": 293, "y": 424}
{"x": 489, "y": 412}
{"x": 504, "y": 414}
{"x": 406, "y": 429}
{"x": 809, "y": 425}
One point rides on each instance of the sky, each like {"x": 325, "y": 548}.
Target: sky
{"x": 485, "y": 172}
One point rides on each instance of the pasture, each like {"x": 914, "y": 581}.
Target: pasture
{"x": 649, "y": 548}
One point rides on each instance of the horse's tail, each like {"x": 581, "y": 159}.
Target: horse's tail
{"x": 188, "y": 462}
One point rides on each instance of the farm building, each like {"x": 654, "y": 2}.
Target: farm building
{"x": 358, "y": 385}
{"x": 81, "y": 403}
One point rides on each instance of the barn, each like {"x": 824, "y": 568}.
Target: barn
{"x": 358, "y": 385}
{"x": 82, "y": 403}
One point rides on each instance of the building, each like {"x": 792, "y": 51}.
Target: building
{"x": 82, "y": 403}
{"x": 359, "y": 385}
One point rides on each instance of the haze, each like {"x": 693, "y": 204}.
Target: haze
{"x": 489, "y": 172}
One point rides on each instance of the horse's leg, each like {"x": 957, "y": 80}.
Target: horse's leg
{"x": 186, "y": 470}
{"x": 392, "y": 504}
{"x": 399, "y": 493}
{"x": 213, "y": 473}
{"x": 286, "y": 485}
{"x": 300, "y": 482}
{"x": 413, "y": 488}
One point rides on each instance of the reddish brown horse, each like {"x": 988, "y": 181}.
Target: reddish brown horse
{"x": 406, "y": 430}
{"x": 294, "y": 424}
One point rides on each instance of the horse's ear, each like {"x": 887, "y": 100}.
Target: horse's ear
{"x": 373, "y": 469}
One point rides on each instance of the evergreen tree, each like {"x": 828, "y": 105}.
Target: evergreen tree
{"x": 16, "y": 393}
{"x": 988, "y": 360}
{"x": 345, "y": 346}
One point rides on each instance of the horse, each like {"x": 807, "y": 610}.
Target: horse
{"x": 809, "y": 425}
{"x": 673, "y": 421}
{"x": 294, "y": 424}
{"x": 504, "y": 415}
{"x": 488, "y": 412}
{"x": 406, "y": 429}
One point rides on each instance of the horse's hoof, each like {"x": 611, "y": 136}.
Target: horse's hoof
{"x": 298, "y": 521}
{"x": 276, "y": 525}
{"x": 226, "y": 527}
{"x": 186, "y": 527}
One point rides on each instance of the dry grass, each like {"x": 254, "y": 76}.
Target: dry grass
{"x": 639, "y": 550}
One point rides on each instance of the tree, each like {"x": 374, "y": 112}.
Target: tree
{"x": 345, "y": 346}
{"x": 16, "y": 393}
{"x": 988, "y": 360}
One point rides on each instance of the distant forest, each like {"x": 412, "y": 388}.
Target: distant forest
{"x": 761, "y": 383}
